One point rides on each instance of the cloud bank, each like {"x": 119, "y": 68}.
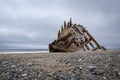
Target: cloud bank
{"x": 34, "y": 23}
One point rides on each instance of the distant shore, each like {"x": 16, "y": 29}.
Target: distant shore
{"x": 24, "y": 52}
{"x": 97, "y": 65}
{"x": 14, "y": 51}
{"x": 42, "y": 51}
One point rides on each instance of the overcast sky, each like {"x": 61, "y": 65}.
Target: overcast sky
{"x": 35, "y": 23}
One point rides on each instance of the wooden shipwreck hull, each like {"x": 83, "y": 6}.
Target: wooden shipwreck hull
{"x": 74, "y": 37}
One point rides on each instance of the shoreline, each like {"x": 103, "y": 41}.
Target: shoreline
{"x": 23, "y": 52}
{"x": 41, "y": 52}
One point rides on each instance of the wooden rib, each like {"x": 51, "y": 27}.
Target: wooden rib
{"x": 68, "y": 25}
{"x": 64, "y": 37}
{"x": 96, "y": 43}
{"x": 58, "y": 33}
{"x": 92, "y": 38}
{"x": 91, "y": 44}
{"x": 70, "y": 21}
{"x": 71, "y": 41}
{"x": 87, "y": 47}
{"x": 65, "y": 24}
{"x": 61, "y": 28}
{"x": 83, "y": 48}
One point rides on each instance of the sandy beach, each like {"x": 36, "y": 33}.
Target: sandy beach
{"x": 98, "y": 65}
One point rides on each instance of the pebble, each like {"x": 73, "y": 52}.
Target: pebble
{"x": 29, "y": 64}
{"x": 98, "y": 72}
{"x": 13, "y": 66}
{"x": 20, "y": 70}
{"x": 104, "y": 78}
{"x": 79, "y": 60}
{"x": 119, "y": 73}
{"x": 92, "y": 68}
{"x": 4, "y": 62}
{"x": 77, "y": 69}
{"x": 23, "y": 75}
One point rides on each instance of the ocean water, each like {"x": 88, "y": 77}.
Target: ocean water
{"x": 12, "y": 51}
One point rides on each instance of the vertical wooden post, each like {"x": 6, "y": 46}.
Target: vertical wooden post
{"x": 61, "y": 28}
{"x": 58, "y": 33}
{"x": 70, "y": 21}
{"x": 64, "y": 24}
{"x": 68, "y": 25}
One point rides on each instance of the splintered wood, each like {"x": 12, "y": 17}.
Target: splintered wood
{"x": 74, "y": 37}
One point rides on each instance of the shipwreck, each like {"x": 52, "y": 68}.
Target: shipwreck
{"x": 74, "y": 37}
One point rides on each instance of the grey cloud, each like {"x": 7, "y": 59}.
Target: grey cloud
{"x": 26, "y": 22}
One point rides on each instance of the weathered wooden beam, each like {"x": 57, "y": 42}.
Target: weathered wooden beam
{"x": 83, "y": 48}
{"x": 87, "y": 47}
{"x": 68, "y": 25}
{"x": 58, "y": 33}
{"x": 70, "y": 21}
{"x": 92, "y": 38}
{"x": 69, "y": 43}
{"x": 96, "y": 43}
{"x": 91, "y": 44}
{"x": 56, "y": 48}
{"x": 61, "y": 28}
{"x": 65, "y": 24}
{"x": 86, "y": 42}
{"x": 64, "y": 37}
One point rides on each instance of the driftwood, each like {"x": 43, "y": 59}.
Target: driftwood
{"x": 73, "y": 37}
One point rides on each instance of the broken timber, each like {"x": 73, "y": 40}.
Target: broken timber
{"x": 73, "y": 37}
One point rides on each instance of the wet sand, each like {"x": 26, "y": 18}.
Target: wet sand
{"x": 98, "y": 65}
